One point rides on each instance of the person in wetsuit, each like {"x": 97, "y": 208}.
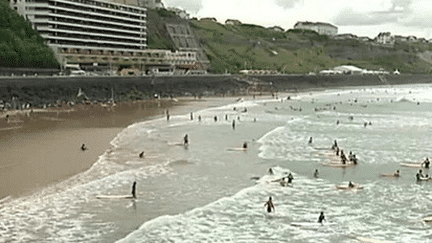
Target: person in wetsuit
{"x": 83, "y": 147}
{"x": 290, "y": 178}
{"x": 269, "y": 205}
{"x": 186, "y": 140}
{"x": 316, "y": 173}
{"x": 133, "y": 189}
{"x": 426, "y": 163}
{"x": 245, "y": 145}
{"x": 141, "y": 154}
{"x": 350, "y": 184}
{"x": 321, "y": 218}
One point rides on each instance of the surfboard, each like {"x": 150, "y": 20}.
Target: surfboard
{"x": 370, "y": 240}
{"x": 311, "y": 225}
{"x": 412, "y": 165}
{"x": 346, "y": 187}
{"x": 175, "y": 144}
{"x": 389, "y": 175}
{"x": 428, "y": 219}
{"x": 338, "y": 165}
{"x": 236, "y": 149}
{"x": 114, "y": 197}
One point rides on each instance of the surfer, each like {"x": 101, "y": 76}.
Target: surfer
{"x": 191, "y": 116}
{"x": 290, "y": 177}
{"x": 316, "y": 173}
{"x": 269, "y": 205}
{"x": 270, "y": 170}
{"x": 133, "y": 189}
{"x": 396, "y": 174}
{"x": 186, "y": 140}
{"x": 83, "y": 147}
{"x": 426, "y": 163}
{"x": 245, "y": 145}
{"x": 321, "y": 218}
{"x": 350, "y": 185}
{"x": 141, "y": 154}
{"x": 233, "y": 124}
{"x": 310, "y": 140}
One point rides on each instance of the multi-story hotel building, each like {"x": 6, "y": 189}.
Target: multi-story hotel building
{"x": 87, "y": 31}
{"x": 95, "y": 33}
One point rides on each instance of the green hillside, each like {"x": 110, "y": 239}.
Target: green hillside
{"x": 233, "y": 48}
{"x": 20, "y": 45}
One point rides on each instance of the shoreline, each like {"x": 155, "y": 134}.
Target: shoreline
{"x": 45, "y": 149}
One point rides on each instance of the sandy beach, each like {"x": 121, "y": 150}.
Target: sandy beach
{"x": 44, "y": 147}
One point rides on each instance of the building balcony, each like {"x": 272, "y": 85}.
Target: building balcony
{"x": 88, "y": 42}
{"x": 95, "y": 35}
{"x": 111, "y": 6}
{"x": 120, "y": 31}
{"x": 79, "y": 19}
{"x": 90, "y": 13}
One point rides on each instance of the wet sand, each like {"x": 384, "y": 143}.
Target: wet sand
{"x": 45, "y": 149}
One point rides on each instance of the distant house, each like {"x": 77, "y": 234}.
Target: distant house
{"x": 399, "y": 38}
{"x": 209, "y": 19}
{"x": 233, "y": 22}
{"x": 385, "y": 38}
{"x": 365, "y": 38}
{"x": 320, "y": 28}
{"x": 412, "y": 38}
{"x": 276, "y": 28}
{"x": 345, "y": 37}
{"x": 180, "y": 12}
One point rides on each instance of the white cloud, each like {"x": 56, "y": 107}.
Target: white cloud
{"x": 359, "y": 17}
{"x": 191, "y": 6}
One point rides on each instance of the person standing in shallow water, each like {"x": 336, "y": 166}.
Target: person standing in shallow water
{"x": 321, "y": 218}
{"x": 186, "y": 140}
{"x": 269, "y": 205}
{"x": 133, "y": 189}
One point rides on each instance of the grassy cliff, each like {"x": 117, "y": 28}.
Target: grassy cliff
{"x": 233, "y": 48}
{"x": 20, "y": 45}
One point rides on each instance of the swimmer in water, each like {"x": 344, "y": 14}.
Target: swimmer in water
{"x": 245, "y": 145}
{"x": 269, "y": 205}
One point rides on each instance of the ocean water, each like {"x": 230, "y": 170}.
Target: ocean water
{"x": 210, "y": 191}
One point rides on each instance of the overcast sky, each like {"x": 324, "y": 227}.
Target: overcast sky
{"x": 359, "y": 17}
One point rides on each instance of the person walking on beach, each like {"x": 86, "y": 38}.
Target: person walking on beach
{"x": 134, "y": 189}
{"x": 186, "y": 140}
{"x": 269, "y": 205}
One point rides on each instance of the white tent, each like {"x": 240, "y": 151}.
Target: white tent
{"x": 348, "y": 69}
